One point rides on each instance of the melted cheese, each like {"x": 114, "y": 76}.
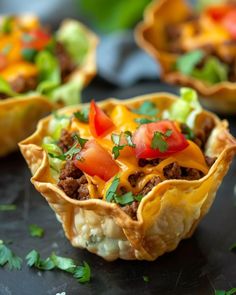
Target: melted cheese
{"x": 209, "y": 32}
{"x": 20, "y": 68}
{"x": 190, "y": 157}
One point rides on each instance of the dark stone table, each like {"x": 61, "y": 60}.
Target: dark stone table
{"x": 198, "y": 266}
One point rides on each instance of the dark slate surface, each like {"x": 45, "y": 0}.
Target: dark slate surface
{"x": 199, "y": 264}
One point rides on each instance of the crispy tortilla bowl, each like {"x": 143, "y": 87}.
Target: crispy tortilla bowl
{"x": 151, "y": 36}
{"x": 19, "y": 115}
{"x": 169, "y": 213}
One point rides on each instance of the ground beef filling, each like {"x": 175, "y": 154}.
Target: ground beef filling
{"x": 21, "y": 84}
{"x": 66, "y": 64}
{"x": 66, "y": 140}
{"x": 73, "y": 182}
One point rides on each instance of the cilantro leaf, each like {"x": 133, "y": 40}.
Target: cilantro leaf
{"x": 233, "y": 247}
{"x": 7, "y": 256}
{"x": 138, "y": 198}
{"x": 32, "y": 258}
{"x": 116, "y": 150}
{"x": 75, "y": 149}
{"x": 158, "y": 142}
{"x": 128, "y": 136}
{"x": 168, "y": 133}
{"x": 147, "y": 108}
{"x": 63, "y": 263}
{"x": 111, "y": 192}
{"x": 83, "y": 273}
{"x": 146, "y": 279}
{"x": 82, "y": 115}
{"x": 6, "y": 26}
{"x": 213, "y": 71}
{"x": 116, "y": 138}
{"x": 80, "y": 140}
{"x": 7, "y": 207}
{"x": 145, "y": 120}
{"x": 124, "y": 199}
{"x": 36, "y": 231}
{"x": 188, "y": 61}
{"x": 28, "y": 54}
{"x": 229, "y": 292}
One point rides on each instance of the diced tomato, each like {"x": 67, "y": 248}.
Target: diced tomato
{"x": 218, "y": 12}
{"x": 95, "y": 160}
{"x": 99, "y": 123}
{"x": 229, "y": 22}
{"x": 3, "y": 61}
{"x": 36, "y": 39}
{"x": 144, "y": 135}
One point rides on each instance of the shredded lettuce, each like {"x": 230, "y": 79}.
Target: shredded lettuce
{"x": 188, "y": 61}
{"x": 49, "y": 71}
{"x": 6, "y": 88}
{"x": 69, "y": 93}
{"x": 202, "y": 4}
{"x": 73, "y": 37}
{"x": 212, "y": 72}
{"x": 50, "y": 146}
{"x": 186, "y": 108}
{"x": 57, "y": 123}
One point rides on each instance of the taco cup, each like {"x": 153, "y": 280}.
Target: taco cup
{"x": 194, "y": 49}
{"x": 40, "y": 72}
{"x": 134, "y": 186}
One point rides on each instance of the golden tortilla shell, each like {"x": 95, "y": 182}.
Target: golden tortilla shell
{"x": 19, "y": 115}
{"x": 166, "y": 215}
{"x": 151, "y": 36}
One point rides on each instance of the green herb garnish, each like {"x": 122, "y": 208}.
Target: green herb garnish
{"x": 36, "y": 231}
{"x": 127, "y": 198}
{"x": 188, "y": 61}
{"x": 7, "y": 25}
{"x": 158, "y": 140}
{"x": 80, "y": 140}
{"x": 145, "y": 120}
{"x": 75, "y": 149}
{"x": 229, "y": 292}
{"x": 146, "y": 279}
{"x": 147, "y": 108}
{"x": 82, "y": 115}
{"x": 82, "y": 273}
{"x": 233, "y": 247}
{"x": 28, "y": 54}
{"x": 7, "y": 207}
{"x": 116, "y": 138}
{"x": 111, "y": 192}
{"x": 213, "y": 71}
{"x": 8, "y": 257}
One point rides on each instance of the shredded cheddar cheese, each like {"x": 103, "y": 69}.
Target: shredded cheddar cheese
{"x": 124, "y": 119}
{"x": 20, "y": 68}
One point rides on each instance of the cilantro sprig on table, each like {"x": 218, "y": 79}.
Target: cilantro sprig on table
{"x": 81, "y": 272}
{"x": 223, "y": 292}
{"x": 158, "y": 140}
{"x": 116, "y": 139}
{"x": 8, "y": 257}
{"x": 126, "y": 199}
{"x": 7, "y": 207}
{"x": 36, "y": 231}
